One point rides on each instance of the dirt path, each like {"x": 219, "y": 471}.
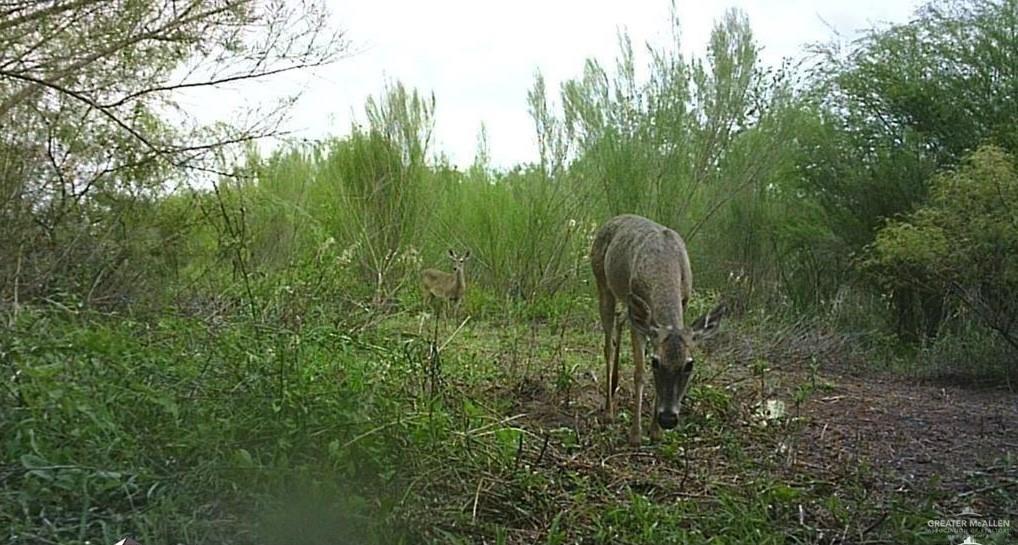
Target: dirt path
{"x": 914, "y": 440}
{"x": 870, "y": 455}
{"x": 919, "y": 435}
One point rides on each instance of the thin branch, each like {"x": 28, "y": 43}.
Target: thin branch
{"x": 120, "y": 45}
{"x": 215, "y": 81}
{"x": 55, "y": 9}
{"x": 84, "y": 99}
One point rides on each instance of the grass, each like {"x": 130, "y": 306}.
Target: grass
{"x": 725, "y": 477}
{"x": 172, "y": 431}
{"x": 306, "y": 415}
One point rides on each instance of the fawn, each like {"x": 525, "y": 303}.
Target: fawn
{"x": 447, "y": 286}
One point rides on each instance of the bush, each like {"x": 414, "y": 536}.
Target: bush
{"x": 961, "y": 249}
{"x": 177, "y": 432}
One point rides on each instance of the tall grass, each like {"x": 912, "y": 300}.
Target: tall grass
{"x": 704, "y": 146}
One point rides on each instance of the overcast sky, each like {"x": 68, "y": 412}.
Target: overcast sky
{"x": 480, "y": 57}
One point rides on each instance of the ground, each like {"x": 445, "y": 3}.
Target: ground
{"x": 858, "y": 456}
{"x": 918, "y": 434}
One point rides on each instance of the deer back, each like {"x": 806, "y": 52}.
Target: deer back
{"x": 647, "y": 260}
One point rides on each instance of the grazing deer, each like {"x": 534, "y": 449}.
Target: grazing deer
{"x": 443, "y": 285}
{"x": 645, "y": 266}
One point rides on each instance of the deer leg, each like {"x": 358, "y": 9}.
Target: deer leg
{"x": 635, "y": 432}
{"x": 619, "y": 322}
{"x": 607, "y": 307}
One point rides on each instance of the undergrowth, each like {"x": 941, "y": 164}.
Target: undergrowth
{"x": 178, "y": 430}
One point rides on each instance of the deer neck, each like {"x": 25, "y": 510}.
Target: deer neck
{"x": 668, "y": 311}
{"x": 459, "y": 281}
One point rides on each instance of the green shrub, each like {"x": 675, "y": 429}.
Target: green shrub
{"x": 176, "y": 432}
{"x": 960, "y": 249}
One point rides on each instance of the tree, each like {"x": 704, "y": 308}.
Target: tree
{"x": 701, "y": 145}
{"x": 89, "y": 127}
{"x": 897, "y": 106}
{"x": 962, "y": 246}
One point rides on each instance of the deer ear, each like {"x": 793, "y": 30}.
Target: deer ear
{"x": 466, "y": 255}
{"x": 452, "y": 254}
{"x": 707, "y": 325}
{"x": 640, "y": 315}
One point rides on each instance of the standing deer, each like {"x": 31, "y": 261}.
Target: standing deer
{"x": 645, "y": 266}
{"x": 443, "y": 285}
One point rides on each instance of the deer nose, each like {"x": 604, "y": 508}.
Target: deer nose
{"x": 667, "y": 419}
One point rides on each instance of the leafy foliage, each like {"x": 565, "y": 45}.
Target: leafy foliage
{"x": 86, "y": 94}
{"x": 962, "y": 246}
{"x": 894, "y": 108}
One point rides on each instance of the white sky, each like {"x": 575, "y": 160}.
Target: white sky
{"x": 480, "y": 57}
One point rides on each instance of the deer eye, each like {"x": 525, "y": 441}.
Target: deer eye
{"x": 655, "y": 362}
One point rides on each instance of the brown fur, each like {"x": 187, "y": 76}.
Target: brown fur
{"x": 446, "y": 286}
{"x": 645, "y": 266}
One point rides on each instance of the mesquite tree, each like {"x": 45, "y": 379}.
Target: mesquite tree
{"x": 90, "y": 129}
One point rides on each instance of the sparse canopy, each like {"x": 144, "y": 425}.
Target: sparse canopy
{"x": 88, "y": 119}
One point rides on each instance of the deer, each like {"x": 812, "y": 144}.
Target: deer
{"x": 447, "y": 286}
{"x": 645, "y": 266}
